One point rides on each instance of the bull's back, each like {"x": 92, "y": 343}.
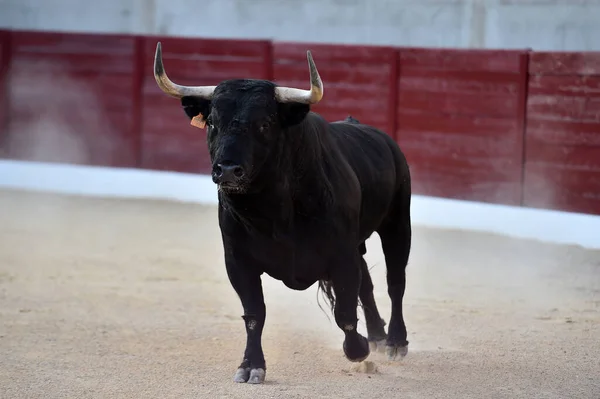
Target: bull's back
{"x": 378, "y": 163}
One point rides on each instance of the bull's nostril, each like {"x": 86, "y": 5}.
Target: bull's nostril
{"x": 228, "y": 173}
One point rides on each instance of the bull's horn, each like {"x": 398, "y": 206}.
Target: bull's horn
{"x": 174, "y": 89}
{"x": 312, "y": 96}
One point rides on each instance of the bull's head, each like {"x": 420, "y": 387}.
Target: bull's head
{"x": 245, "y": 119}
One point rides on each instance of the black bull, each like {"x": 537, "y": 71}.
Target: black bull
{"x": 298, "y": 197}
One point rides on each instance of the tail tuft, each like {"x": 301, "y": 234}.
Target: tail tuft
{"x": 326, "y": 288}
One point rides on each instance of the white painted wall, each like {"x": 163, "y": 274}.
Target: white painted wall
{"x": 538, "y": 224}
{"x": 539, "y": 24}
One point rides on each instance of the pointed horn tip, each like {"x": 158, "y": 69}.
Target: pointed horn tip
{"x": 158, "y": 52}
{"x": 158, "y": 67}
{"x": 315, "y": 79}
{"x": 309, "y": 56}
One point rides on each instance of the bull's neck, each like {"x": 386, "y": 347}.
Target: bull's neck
{"x": 293, "y": 181}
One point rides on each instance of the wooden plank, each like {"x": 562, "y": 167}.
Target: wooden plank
{"x": 356, "y": 79}
{"x": 334, "y": 74}
{"x": 52, "y": 43}
{"x": 564, "y": 107}
{"x": 393, "y": 96}
{"x": 562, "y": 189}
{"x": 563, "y": 157}
{"x": 291, "y": 52}
{"x": 459, "y": 135}
{"x": 200, "y": 49}
{"x": 565, "y": 63}
{"x": 47, "y": 63}
{"x": 4, "y": 67}
{"x": 436, "y": 177}
{"x": 462, "y": 59}
{"x": 570, "y": 108}
{"x": 495, "y": 128}
{"x": 76, "y": 139}
{"x": 562, "y": 169}
{"x": 459, "y": 160}
{"x": 461, "y": 118}
{"x": 168, "y": 141}
{"x": 413, "y": 102}
{"x": 71, "y": 98}
{"x": 213, "y": 71}
{"x": 69, "y": 52}
{"x": 561, "y": 132}
{"x": 522, "y": 119}
{"x": 564, "y": 85}
{"x": 137, "y": 88}
{"x": 450, "y": 81}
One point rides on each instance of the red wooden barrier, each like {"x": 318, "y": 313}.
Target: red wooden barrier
{"x": 562, "y": 165}
{"x": 169, "y": 142}
{"x": 356, "y": 79}
{"x": 460, "y": 122}
{"x": 459, "y": 115}
{"x": 70, "y": 98}
{"x": 4, "y": 65}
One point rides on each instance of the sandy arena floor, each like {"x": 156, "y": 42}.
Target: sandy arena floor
{"x": 129, "y": 299}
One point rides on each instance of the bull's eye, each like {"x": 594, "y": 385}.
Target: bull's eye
{"x": 264, "y": 127}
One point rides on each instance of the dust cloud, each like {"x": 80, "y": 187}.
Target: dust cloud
{"x": 58, "y": 115}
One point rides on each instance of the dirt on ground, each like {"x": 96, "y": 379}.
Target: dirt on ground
{"x": 106, "y": 298}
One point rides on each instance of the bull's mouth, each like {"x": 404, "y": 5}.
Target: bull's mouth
{"x": 227, "y": 188}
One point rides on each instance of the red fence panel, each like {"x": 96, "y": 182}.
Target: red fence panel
{"x": 459, "y": 115}
{"x": 169, "y": 142}
{"x": 562, "y": 160}
{"x": 4, "y": 65}
{"x": 356, "y": 79}
{"x": 461, "y": 121}
{"x": 70, "y": 98}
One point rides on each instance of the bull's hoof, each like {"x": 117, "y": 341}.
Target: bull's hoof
{"x": 378, "y": 346}
{"x": 251, "y": 376}
{"x": 356, "y": 348}
{"x": 396, "y": 352}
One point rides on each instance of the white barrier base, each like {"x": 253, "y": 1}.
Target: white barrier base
{"x": 544, "y": 225}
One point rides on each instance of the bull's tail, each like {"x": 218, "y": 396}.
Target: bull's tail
{"x": 326, "y": 288}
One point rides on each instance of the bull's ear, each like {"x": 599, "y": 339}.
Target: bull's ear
{"x": 291, "y": 114}
{"x": 194, "y": 106}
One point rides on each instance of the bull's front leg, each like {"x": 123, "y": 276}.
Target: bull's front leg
{"x": 248, "y": 285}
{"x": 346, "y": 278}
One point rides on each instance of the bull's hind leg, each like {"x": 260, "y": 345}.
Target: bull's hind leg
{"x": 396, "y": 242}
{"x": 375, "y": 324}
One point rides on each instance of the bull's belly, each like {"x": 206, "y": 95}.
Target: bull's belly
{"x": 297, "y": 268}
{"x": 296, "y": 272}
